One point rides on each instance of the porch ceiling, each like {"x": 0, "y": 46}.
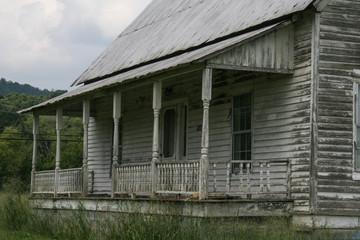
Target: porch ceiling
{"x": 189, "y": 61}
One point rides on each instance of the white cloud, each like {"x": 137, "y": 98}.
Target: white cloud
{"x": 26, "y": 26}
{"x": 56, "y": 36}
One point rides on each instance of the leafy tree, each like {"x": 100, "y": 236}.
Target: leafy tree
{"x": 16, "y": 136}
{"x": 15, "y": 156}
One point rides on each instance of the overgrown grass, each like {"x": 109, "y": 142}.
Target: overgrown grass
{"x": 18, "y": 219}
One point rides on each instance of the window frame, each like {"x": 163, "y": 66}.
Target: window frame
{"x": 251, "y": 131}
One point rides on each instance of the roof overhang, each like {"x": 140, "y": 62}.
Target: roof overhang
{"x": 189, "y": 61}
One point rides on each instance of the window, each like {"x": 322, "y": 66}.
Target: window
{"x": 356, "y": 128}
{"x": 174, "y": 132}
{"x": 242, "y": 129}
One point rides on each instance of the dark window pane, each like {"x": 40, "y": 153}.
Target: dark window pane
{"x": 248, "y": 143}
{"x": 243, "y": 142}
{"x": 243, "y": 156}
{"x": 236, "y": 119}
{"x": 237, "y": 143}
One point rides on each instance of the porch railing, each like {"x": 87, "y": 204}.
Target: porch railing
{"x": 133, "y": 179}
{"x": 250, "y": 178}
{"x": 180, "y": 177}
{"x": 172, "y": 177}
{"x": 69, "y": 181}
{"x": 226, "y": 178}
{"x": 44, "y": 182}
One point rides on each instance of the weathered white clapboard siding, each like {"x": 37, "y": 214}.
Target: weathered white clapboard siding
{"x": 298, "y": 139}
{"x": 339, "y": 54}
{"x": 273, "y": 52}
{"x": 100, "y": 145}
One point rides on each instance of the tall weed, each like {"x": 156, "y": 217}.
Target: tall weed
{"x": 14, "y": 212}
{"x": 16, "y": 215}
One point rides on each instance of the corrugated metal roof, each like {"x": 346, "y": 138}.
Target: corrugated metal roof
{"x": 166, "y": 28}
{"x": 175, "y": 61}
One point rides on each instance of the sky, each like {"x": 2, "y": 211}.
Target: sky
{"x": 49, "y": 43}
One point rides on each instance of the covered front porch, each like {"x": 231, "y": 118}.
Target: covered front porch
{"x": 117, "y": 162}
{"x": 225, "y": 127}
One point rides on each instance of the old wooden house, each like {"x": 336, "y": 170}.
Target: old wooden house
{"x": 219, "y": 108}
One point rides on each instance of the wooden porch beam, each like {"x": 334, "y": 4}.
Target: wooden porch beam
{"x": 34, "y": 156}
{"x": 249, "y": 69}
{"x": 204, "y": 160}
{"x": 86, "y": 118}
{"x": 59, "y": 119}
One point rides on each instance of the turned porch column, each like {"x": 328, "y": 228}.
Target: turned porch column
{"x": 116, "y": 116}
{"x": 35, "y": 133}
{"x": 59, "y": 115}
{"x": 204, "y": 160}
{"x": 157, "y": 89}
{"x": 86, "y": 117}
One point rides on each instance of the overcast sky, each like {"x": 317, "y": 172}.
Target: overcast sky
{"x": 49, "y": 43}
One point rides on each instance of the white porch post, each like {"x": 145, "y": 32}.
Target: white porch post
{"x": 35, "y": 133}
{"x": 204, "y": 160}
{"x": 157, "y": 90}
{"x": 86, "y": 117}
{"x": 59, "y": 115}
{"x": 116, "y": 116}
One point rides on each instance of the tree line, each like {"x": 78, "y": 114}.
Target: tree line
{"x": 7, "y": 87}
{"x": 16, "y": 139}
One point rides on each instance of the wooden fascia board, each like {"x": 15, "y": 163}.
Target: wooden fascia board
{"x": 249, "y": 69}
{"x": 321, "y": 4}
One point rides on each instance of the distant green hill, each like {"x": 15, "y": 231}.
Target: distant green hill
{"x": 7, "y": 87}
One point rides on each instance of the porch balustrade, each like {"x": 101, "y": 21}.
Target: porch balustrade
{"x": 226, "y": 178}
{"x": 179, "y": 178}
{"x": 133, "y": 179}
{"x": 44, "y": 181}
{"x": 70, "y": 181}
{"x": 172, "y": 177}
{"x": 250, "y": 178}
